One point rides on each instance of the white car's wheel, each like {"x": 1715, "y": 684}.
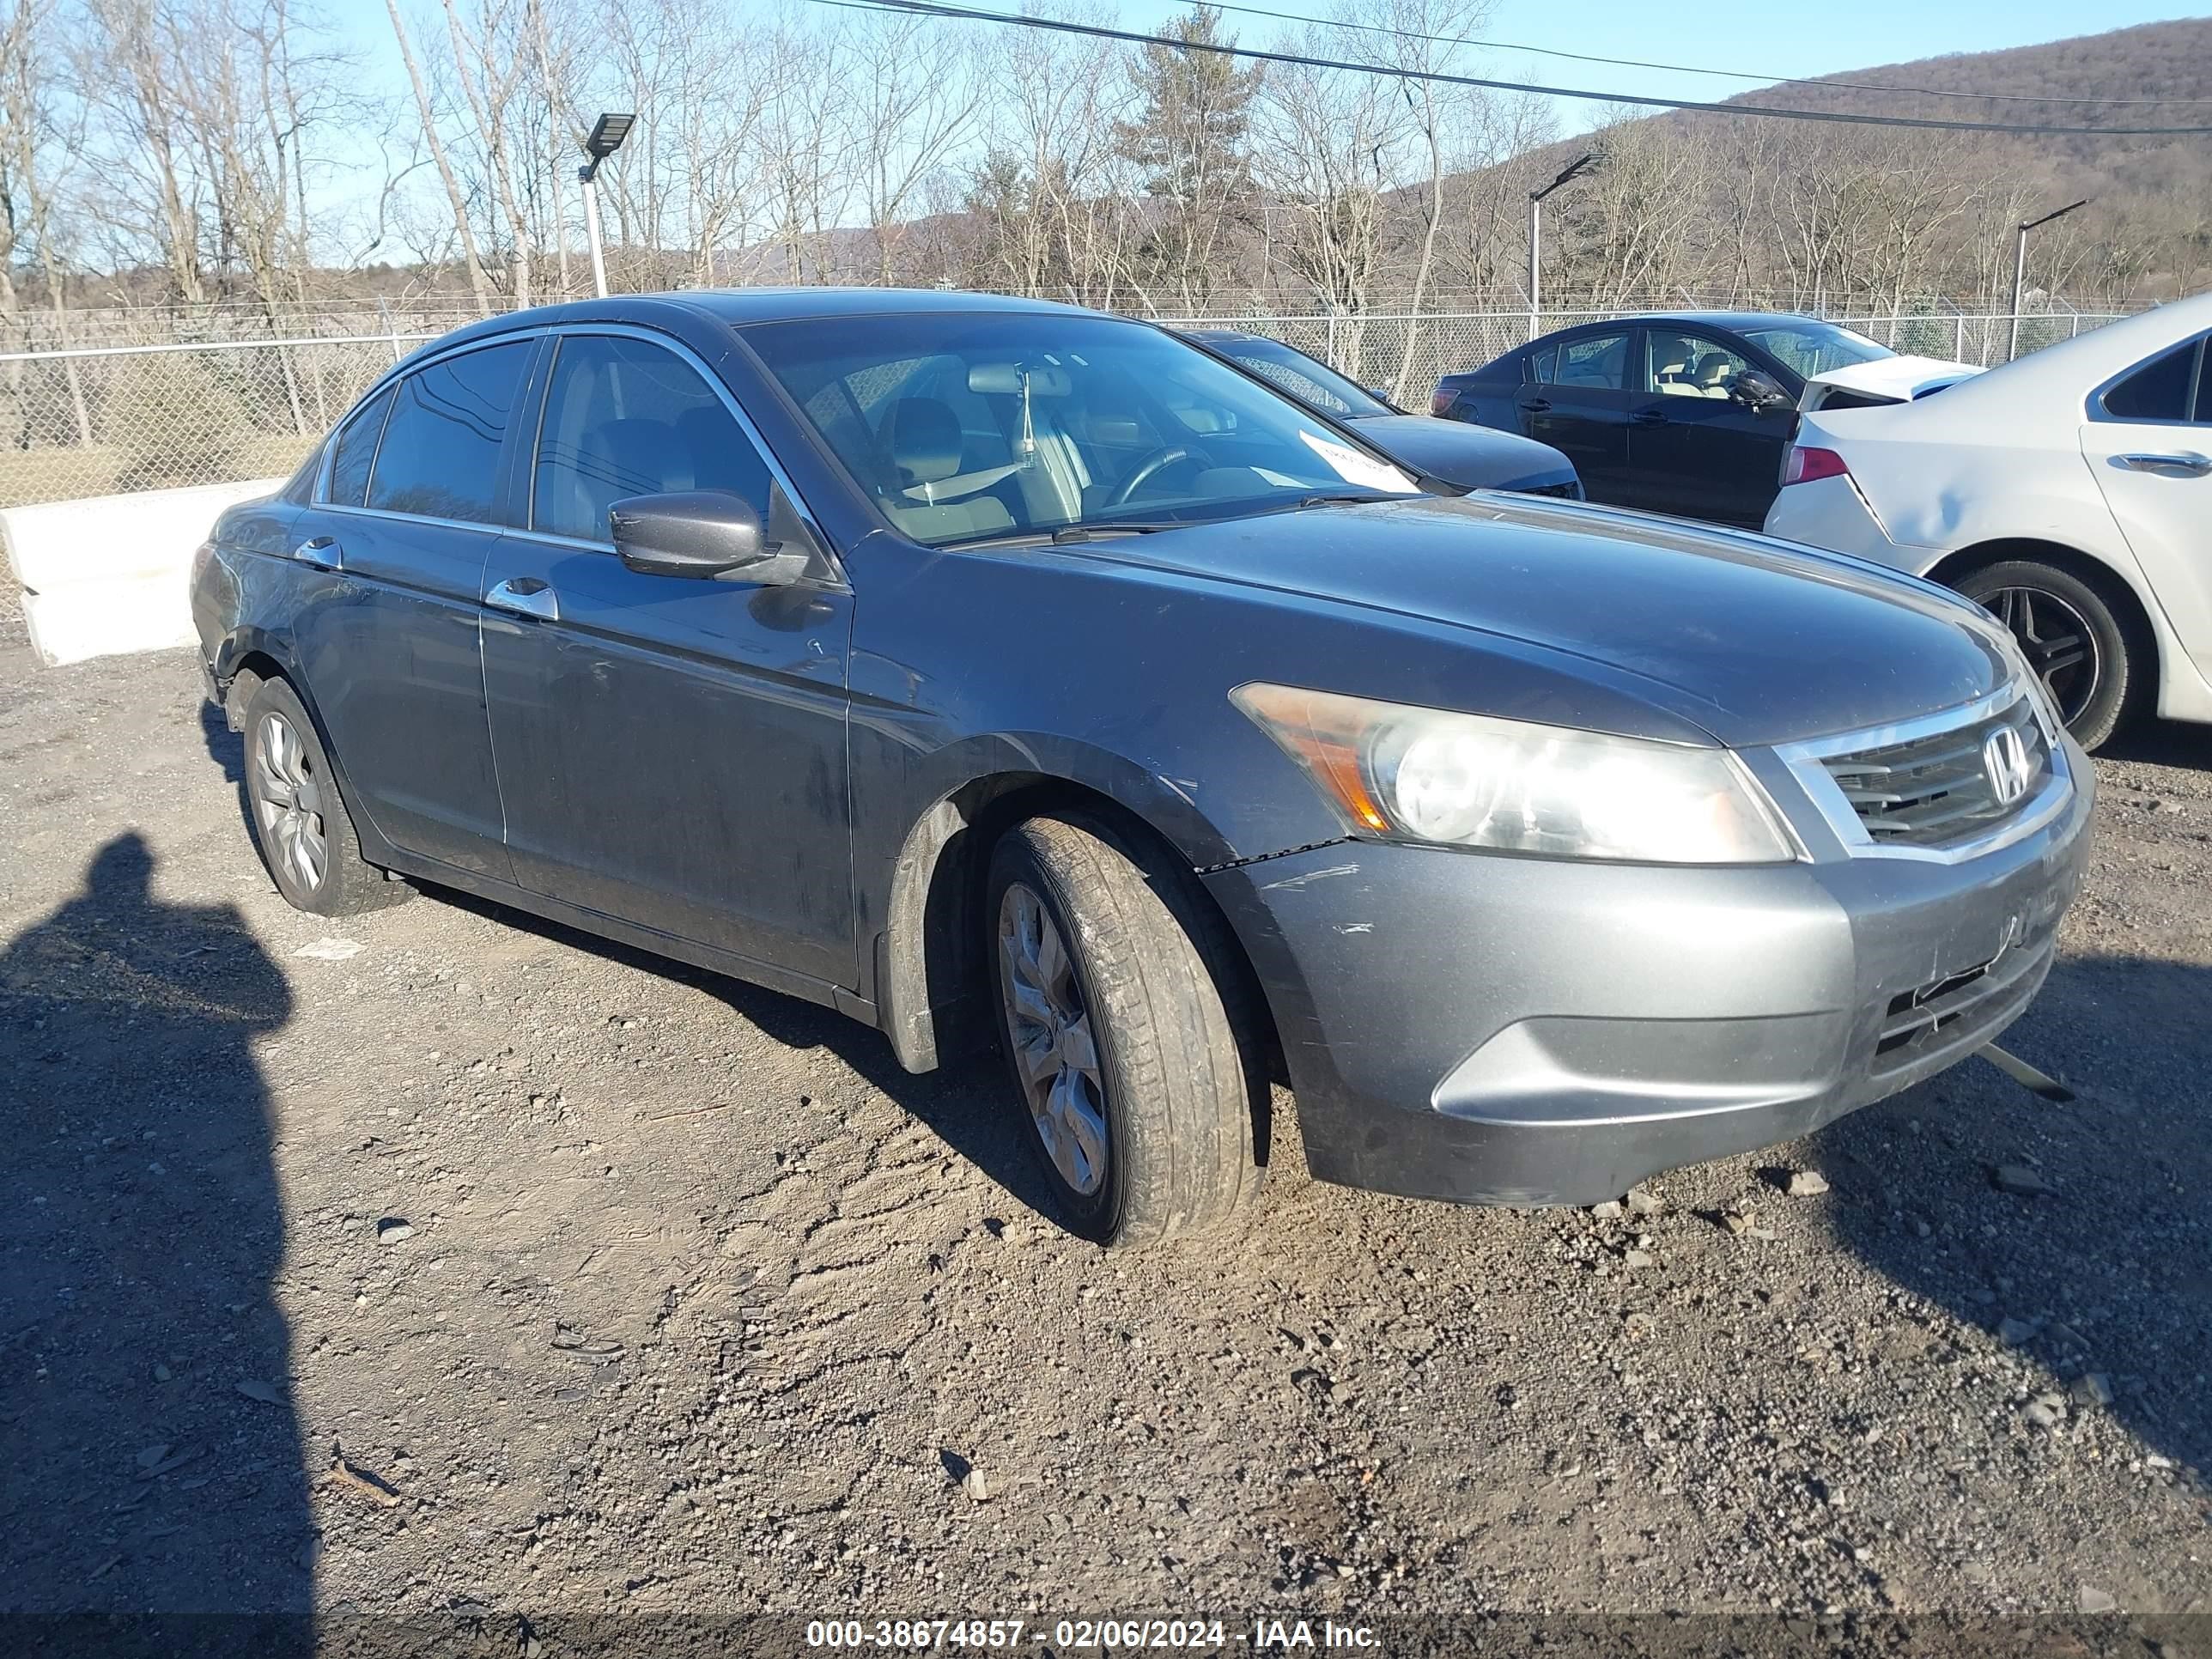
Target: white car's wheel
{"x": 2072, "y": 636}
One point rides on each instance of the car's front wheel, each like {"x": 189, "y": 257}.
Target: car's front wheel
{"x": 2072, "y": 636}
{"x": 1137, "y": 1091}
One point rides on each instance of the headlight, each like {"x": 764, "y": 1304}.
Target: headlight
{"x": 1474, "y": 780}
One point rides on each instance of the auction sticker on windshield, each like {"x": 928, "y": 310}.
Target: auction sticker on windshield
{"x": 1349, "y": 464}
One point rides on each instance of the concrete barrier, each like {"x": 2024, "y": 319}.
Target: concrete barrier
{"x": 110, "y": 575}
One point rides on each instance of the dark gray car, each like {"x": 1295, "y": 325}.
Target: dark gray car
{"x": 994, "y": 670}
{"x": 1453, "y": 452}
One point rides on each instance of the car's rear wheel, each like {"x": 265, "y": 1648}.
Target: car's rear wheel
{"x": 2072, "y": 636}
{"x": 1137, "y": 1091}
{"x": 301, "y": 824}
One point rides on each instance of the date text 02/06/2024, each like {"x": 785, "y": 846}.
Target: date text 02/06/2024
{"x": 1264, "y": 1635}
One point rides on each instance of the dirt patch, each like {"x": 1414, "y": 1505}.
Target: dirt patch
{"x": 644, "y": 1291}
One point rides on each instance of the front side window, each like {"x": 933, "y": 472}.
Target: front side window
{"x": 2166, "y": 388}
{"x": 356, "y": 448}
{"x": 1682, "y": 365}
{"x": 625, "y": 417}
{"x": 439, "y": 457}
{"x": 1599, "y": 361}
{"x": 962, "y": 426}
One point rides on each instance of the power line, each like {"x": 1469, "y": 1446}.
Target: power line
{"x": 935, "y": 8}
{"x": 1692, "y": 69}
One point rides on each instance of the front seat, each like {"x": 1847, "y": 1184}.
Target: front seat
{"x": 1712, "y": 373}
{"x": 924, "y": 443}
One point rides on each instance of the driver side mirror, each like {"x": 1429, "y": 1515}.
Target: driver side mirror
{"x": 1757, "y": 390}
{"x": 701, "y": 534}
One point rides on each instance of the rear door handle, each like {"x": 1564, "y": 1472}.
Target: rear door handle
{"x": 526, "y": 596}
{"x": 1649, "y": 418}
{"x": 2186, "y": 461}
{"x": 320, "y": 551}
{"x": 1535, "y": 406}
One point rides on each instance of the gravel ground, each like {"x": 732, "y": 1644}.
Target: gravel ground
{"x": 608, "y": 1286}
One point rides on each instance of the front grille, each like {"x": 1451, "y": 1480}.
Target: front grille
{"x": 1571, "y": 490}
{"x": 1937, "y": 790}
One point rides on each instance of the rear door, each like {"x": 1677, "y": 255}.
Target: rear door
{"x": 1693, "y": 449}
{"x": 407, "y": 519}
{"x": 2148, "y": 444}
{"x": 1581, "y": 404}
{"x": 671, "y": 751}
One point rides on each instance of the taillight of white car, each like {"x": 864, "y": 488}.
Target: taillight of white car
{"x": 1804, "y": 463}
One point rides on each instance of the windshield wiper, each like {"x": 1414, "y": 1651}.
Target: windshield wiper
{"x": 1349, "y": 498}
{"x": 1065, "y": 535}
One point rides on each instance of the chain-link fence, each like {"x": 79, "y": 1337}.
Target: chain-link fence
{"x": 101, "y": 420}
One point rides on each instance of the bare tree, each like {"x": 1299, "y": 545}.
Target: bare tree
{"x": 462, "y": 229}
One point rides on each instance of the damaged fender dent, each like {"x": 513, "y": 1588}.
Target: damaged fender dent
{"x": 1283, "y": 853}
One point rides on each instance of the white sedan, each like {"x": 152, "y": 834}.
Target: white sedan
{"x": 2069, "y": 492}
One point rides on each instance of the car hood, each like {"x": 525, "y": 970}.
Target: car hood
{"x": 1748, "y": 640}
{"x": 1902, "y": 378}
{"x": 1474, "y": 457}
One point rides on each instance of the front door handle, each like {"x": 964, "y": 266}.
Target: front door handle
{"x": 320, "y": 551}
{"x": 1536, "y": 405}
{"x": 1649, "y": 418}
{"x": 526, "y": 596}
{"x": 2186, "y": 461}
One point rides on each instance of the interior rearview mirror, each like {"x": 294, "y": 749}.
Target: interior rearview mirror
{"x": 699, "y": 533}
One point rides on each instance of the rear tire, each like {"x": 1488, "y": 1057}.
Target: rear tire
{"x": 1134, "y": 1088}
{"x": 2075, "y": 637}
{"x": 301, "y": 824}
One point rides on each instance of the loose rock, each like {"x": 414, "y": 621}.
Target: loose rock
{"x": 2018, "y": 1178}
{"x": 392, "y": 1231}
{"x": 1807, "y": 1183}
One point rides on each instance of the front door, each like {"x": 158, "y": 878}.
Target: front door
{"x": 388, "y": 645}
{"x": 671, "y": 752}
{"x": 1695, "y": 450}
{"x": 2148, "y": 444}
{"x": 1581, "y": 409}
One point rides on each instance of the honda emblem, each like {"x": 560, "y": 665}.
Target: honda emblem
{"x": 2005, "y": 762}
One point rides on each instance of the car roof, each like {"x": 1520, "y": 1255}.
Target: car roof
{"x": 1729, "y": 320}
{"x": 739, "y": 307}
{"x": 1221, "y": 336}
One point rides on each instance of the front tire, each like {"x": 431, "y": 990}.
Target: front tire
{"x": 301, "y": 824}
{"x": 2074, "y": 638}
{"x": 1136, "y": 1092}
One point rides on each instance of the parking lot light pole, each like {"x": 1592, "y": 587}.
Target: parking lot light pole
{"x": 2020, "y": 268}
{"x": 1536, "y": 238}
{"x": 606, "y": 137}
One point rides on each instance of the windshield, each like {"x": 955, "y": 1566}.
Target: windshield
{"x": 1304, "y": 377}
{"x": 966, "y": 427}
{"x": 1815, "y": 348}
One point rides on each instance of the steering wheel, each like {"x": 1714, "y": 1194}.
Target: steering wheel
{"x": 1144, "y": 470}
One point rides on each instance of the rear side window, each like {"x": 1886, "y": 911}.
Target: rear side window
{"x": 439, "y": 458}
{"x": 2166, "y": 388}
{"x": 356, "y": 448}
{"x": 624, "y": 417}
{"x": 1537, "y": 368}
{"x": 1601, "y": 361}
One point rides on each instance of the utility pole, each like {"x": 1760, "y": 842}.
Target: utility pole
{"x": 1536, "y": 238}
{"x": 606, "y": 137}
{"x": 2020, "y": 268}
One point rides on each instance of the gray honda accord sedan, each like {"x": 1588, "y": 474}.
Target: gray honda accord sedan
{"x": 997, "y": 671}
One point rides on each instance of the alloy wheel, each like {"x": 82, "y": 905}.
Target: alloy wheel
{"x": 1055, "y": 1053}
{"x": 288, "y": 800}
{"x": 2057, "y": 642}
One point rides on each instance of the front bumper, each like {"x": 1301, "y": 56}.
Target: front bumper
{"x": 1500, "y": 1030}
